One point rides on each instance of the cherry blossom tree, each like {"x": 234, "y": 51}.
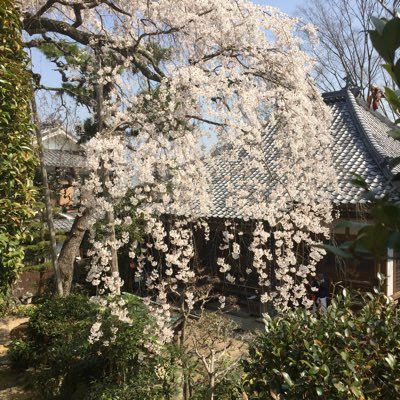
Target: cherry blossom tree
{"x": 234, "y": 68}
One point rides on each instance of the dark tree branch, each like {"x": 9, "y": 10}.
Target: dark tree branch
{"x": 62, "y": 90}
{"x": 78, "y": 16}
{"x": 44, "y": 8}
{"x": 207, "y": 121}
{"x": 116, "y": 8}
{"x": 34, "y": 25}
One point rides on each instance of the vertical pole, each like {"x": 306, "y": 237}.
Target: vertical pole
{"x": 47, "y": 201}
{"x": 390, "y": 272}
{"x": 272, "y": 274}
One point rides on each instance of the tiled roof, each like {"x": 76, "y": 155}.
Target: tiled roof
{"x": 63, "y": 225}
{"x": 62, "y": 158}
{"x": 360, "y": 145}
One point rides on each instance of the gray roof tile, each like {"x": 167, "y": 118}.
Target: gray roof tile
{"x": 361, "y": 145}
{"x": 63, "y": 225}
{"x": 62, "y": 158}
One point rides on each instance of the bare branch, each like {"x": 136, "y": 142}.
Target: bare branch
{"x": 345, "y": 49}
{"x": 205, "y": 120}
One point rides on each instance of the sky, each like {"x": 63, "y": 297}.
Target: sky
{"x": 287, "y": 6}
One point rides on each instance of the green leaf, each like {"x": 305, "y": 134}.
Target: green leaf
{"x": 287, "y": 379}
{"x": 387, "y": 214}
{"x": 378, "y": 44}
{"x": 339, "y": 386}
{"x": 393, "y": 71}
{"x": 394, "y": 133}
{"x": 386, "y": 40}
{"x": 313, "y": 370}
{"x": 379, "y": 24}
{"x": 327, "y": 370}
{"x": 393, "y": 98}
{"x": 359, "y": 181}
{"x": 356, "y": 391}
{"x": 370, "y": 387}
{"x": 351, "y": 224}
{"x": 372, "y": 239}
{"x": 391, "y": 36}
{"x": 391, "y": 360}
{"x": 337, "y": 251}
{"x": 319, "y": 391}
{"x": 350, "y": 365}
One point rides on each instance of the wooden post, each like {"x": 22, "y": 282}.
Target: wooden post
{"x": 49, "y": 210}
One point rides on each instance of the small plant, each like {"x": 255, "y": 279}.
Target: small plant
{"x": 210, "y": 358}
{"x": 8, "y": 304}
{"x": 350, "y": 352}
{"x": 21, "y": 354}
{"x": 27, "y": 310}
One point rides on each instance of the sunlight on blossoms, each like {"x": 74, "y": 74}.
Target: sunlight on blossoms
{"x": 231, "y": 70}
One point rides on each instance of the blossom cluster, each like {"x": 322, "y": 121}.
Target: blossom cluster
{"x": 234, "y": 71}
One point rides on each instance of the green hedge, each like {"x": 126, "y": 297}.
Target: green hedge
{"x": 343, "y": 354}
{"x": 17, "y": 158}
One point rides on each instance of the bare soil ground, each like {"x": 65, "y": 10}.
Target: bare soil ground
{"x": 12, "y": 383}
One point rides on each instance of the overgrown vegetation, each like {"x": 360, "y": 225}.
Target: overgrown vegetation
{"x": 69, "y": 367}
{"x": 350, "y": 352}
{"x": 17, "y": 158}
{"x": 37, "y": 248}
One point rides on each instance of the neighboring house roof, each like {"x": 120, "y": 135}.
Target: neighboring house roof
{"x": 63, "y": 159}
{"x": 64, "y": 221}
{"x": 63, "y": 225}
{"x": 61, "y": 148}
{"x": 360, "y": 146}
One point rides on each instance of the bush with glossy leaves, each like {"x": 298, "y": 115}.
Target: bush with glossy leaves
{"x": 350, "y": 352}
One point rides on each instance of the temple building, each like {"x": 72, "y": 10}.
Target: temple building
{"x": 361, "y": 146}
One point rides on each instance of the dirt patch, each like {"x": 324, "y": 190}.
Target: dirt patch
{"x": 12, "y": 383}
{"x": 7, "y": 325}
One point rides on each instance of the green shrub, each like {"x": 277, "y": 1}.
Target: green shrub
{"x": 144, "y": 385}
{"x": 343, "y": 354}
{"x": 69, "y": 367}
{"x": 228, "y": 388}
{"x": 8, "y": 304}
{"x": 21, "y": 354}
{"x": 24, "y": 310}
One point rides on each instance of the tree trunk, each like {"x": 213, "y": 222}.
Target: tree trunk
{"x": 211, "y": 376}
{"x": 70, "y": 249}
{"x": 111, "y": 235}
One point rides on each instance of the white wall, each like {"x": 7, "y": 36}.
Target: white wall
{"x": 60, "y": 142}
